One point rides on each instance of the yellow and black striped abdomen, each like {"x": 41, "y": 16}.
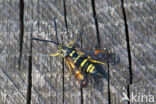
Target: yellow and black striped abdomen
{"x": 84, "y": 64}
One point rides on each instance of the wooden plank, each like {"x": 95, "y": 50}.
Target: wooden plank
{"x": 72, "y": 86}
{"x": 47, "y": 83}
{"x": 81, "y": 21}
{"x": 12, "y": 80}
{"x": 113, "y": 38}
{"x": 141, "y": 25}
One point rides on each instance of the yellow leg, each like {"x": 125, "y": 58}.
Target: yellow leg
{"x": 55, "y": 54}
{"x": 70, "y": 70}
{"x": 95, "y": 61}
{"x": 72, "y": 42}
{"x": 81, "y": 53}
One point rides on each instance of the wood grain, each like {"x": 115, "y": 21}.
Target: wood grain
{"x": 141, "y": 25}
{"x": 113, "y": 38}
{"x": 95, "y": 24}
{"x": 13, "y": 84}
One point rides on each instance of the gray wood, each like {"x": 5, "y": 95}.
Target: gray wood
{"x": 74, "y": 26}
{"x": 141, "y": 25}
{"x": 47, "y": 85}
{"x": 81, "y": 24}
{"x": 12, "y": 80}
{"x": 47, "y": 72}
{"x": 113, "y": 38}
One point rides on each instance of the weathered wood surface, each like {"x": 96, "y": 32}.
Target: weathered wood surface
{"x": 50, "y": 85}
{"x": 112, "y": 36}
{"x": 13, "y": 83}
{"x": 142, "y": 33}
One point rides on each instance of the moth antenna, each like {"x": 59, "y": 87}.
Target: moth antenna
{"x": 45, "y": 41}
{"x": 56, "y": 30}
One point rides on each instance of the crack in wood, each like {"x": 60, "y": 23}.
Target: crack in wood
{"x": 65, "y": 15}
{"x": 28, "y": 99}
{"x": 81, "y": 88}
{"x": 96, "y": 23}
{"x": 63, "y": 79}
{"x": 21, "y": 5}
{"x": 128, "y": 49}
{"x": 109, "y": 92}
{"x": 98, "y": 41}
{"x": 128, "y": 43}
{"x": 66, "y": 24}
{"x": 29, "y": 73}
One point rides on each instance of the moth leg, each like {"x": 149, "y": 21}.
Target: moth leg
{"x": 55, "y": 54}
{"x": 95, "y": 61}
{"x": 81, "y": 53}
{"x": 71, "y": 66}
{"x": 70, "y": 70}
{"x": 72, "y": 42}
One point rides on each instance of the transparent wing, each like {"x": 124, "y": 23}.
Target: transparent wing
{"x": 98, "y": 56}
